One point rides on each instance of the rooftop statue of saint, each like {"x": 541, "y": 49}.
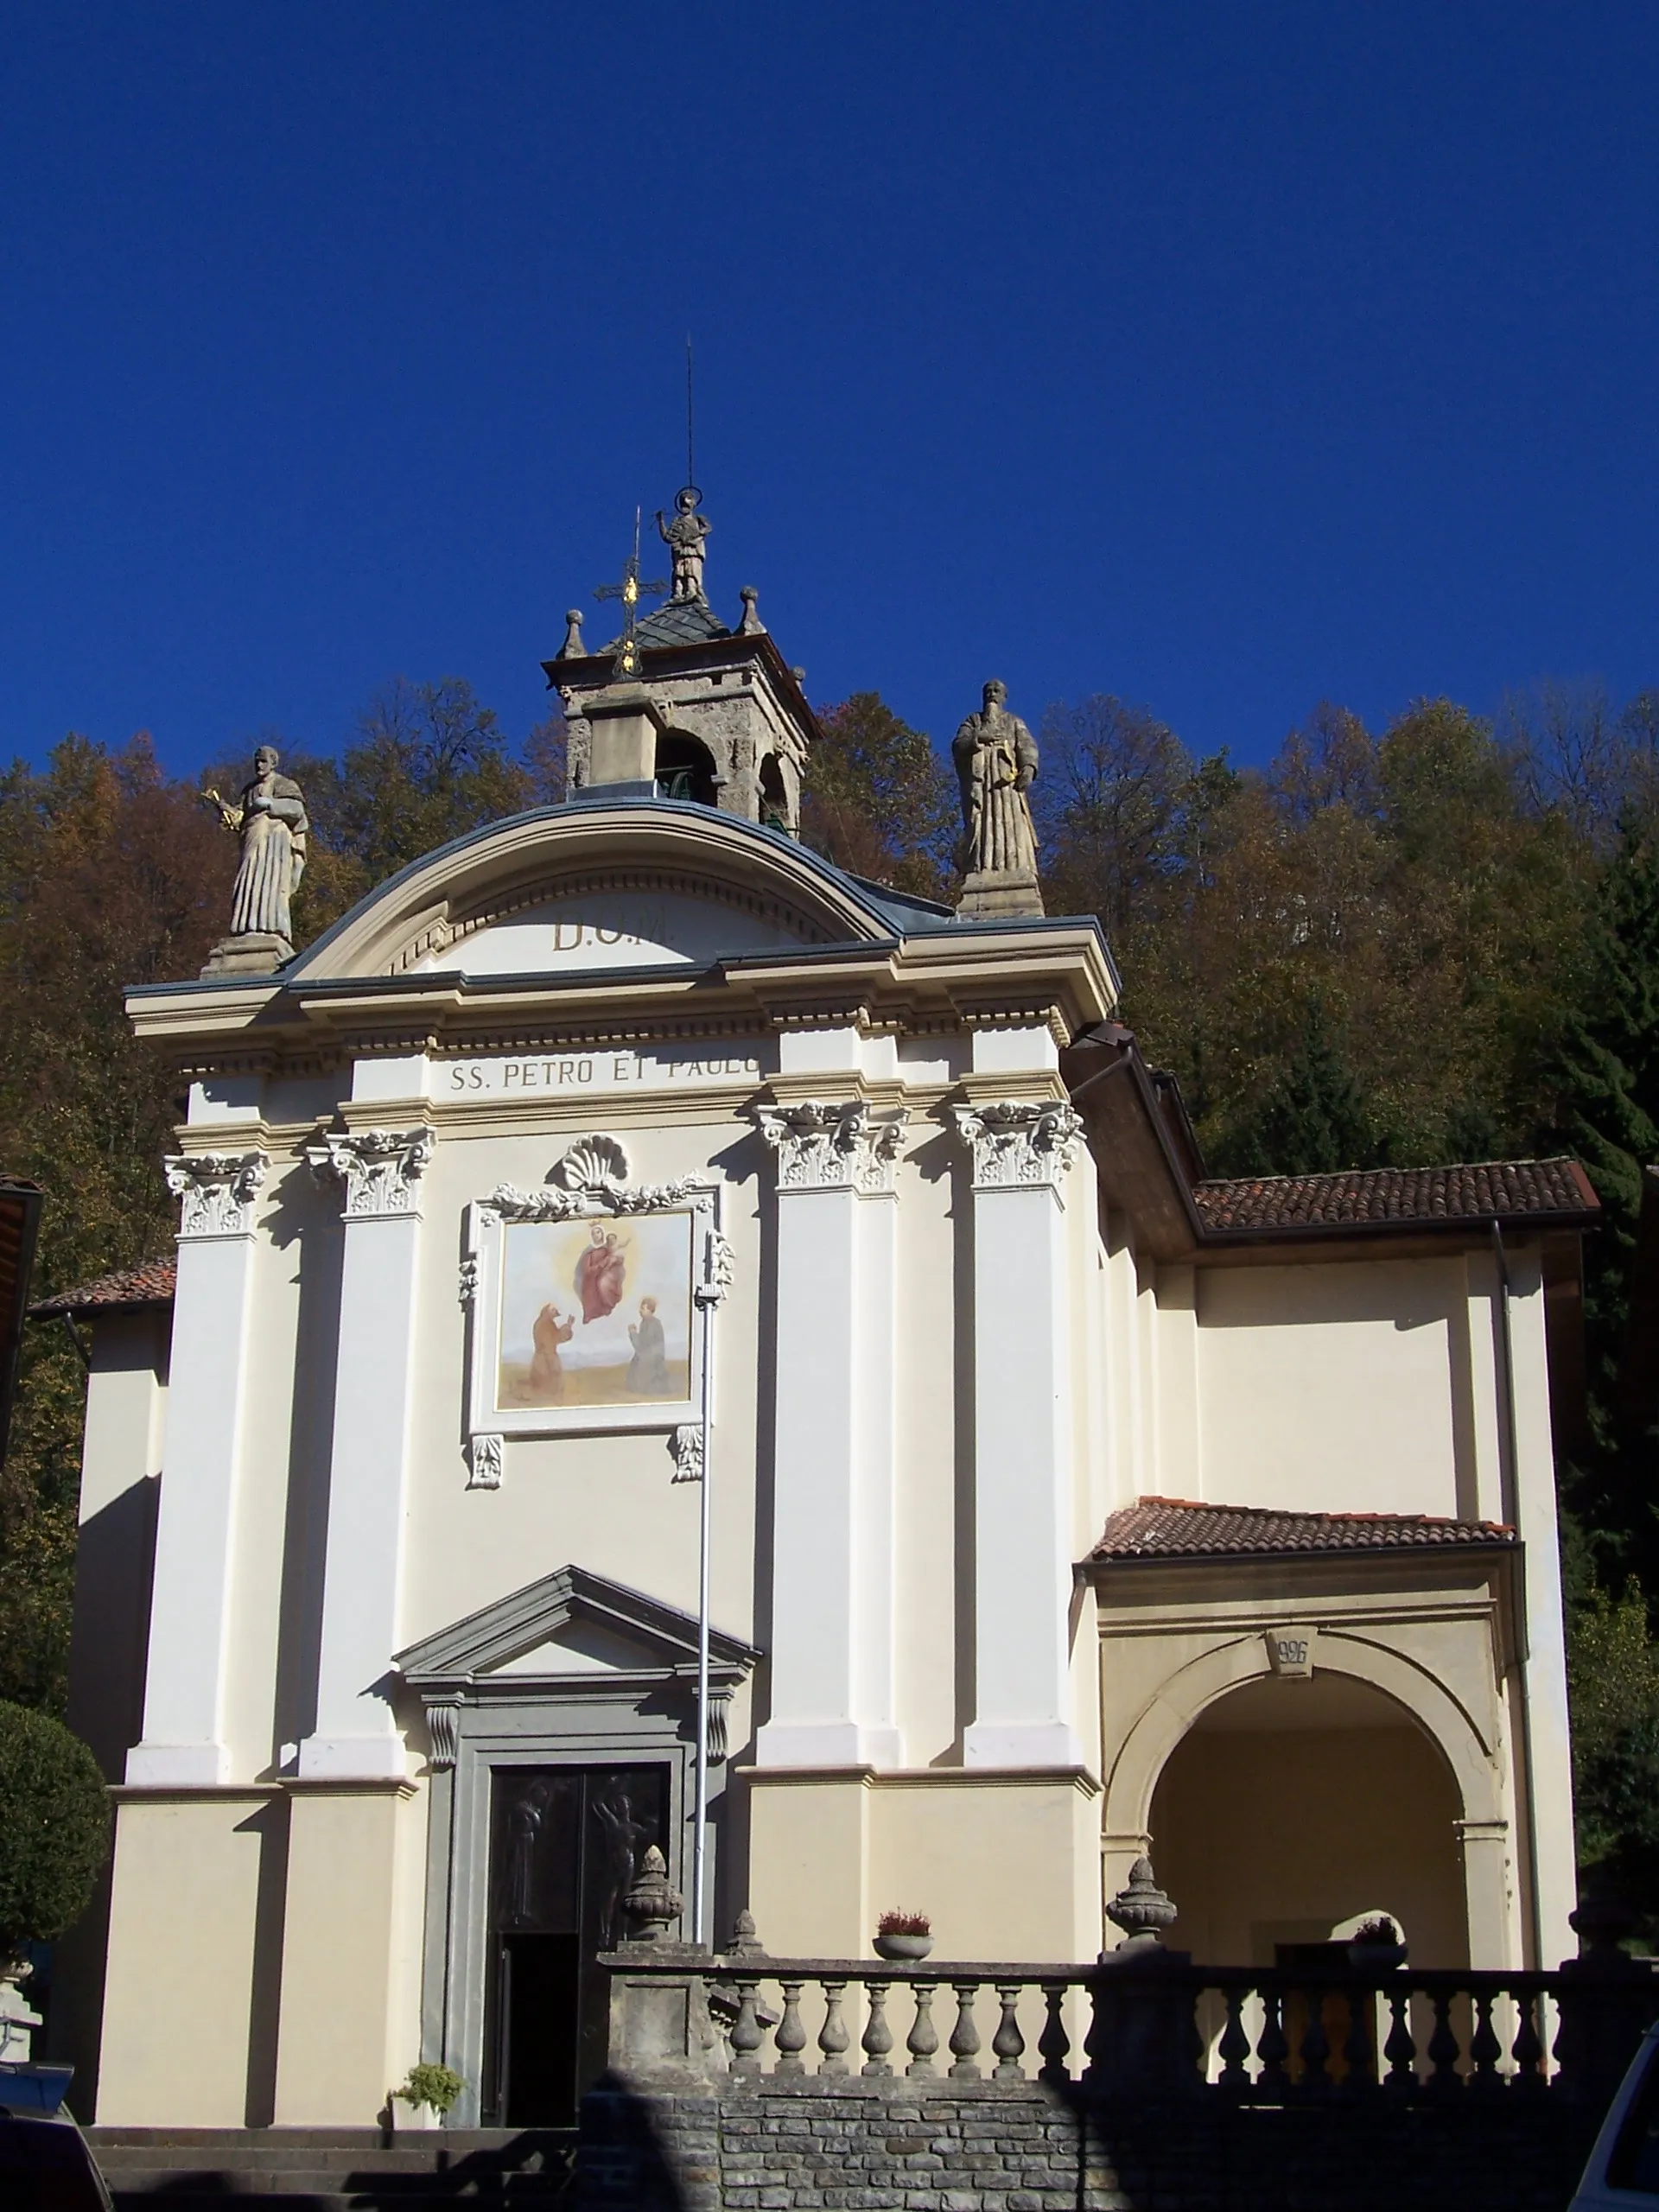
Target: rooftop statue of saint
{"x": 995, "y": 757}
{"x": 685, "y": 538}
{"x": 270, "y": 818}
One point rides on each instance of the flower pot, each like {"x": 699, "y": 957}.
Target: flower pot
{"x": 903, "y": 1947}
{"x": 1377, "y": 1957}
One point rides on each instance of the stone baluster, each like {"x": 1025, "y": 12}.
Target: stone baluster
{"x": 964, "y": 2037}
{"x": 1316, "y": 2045}
{"x": 877, "y": 2040}
{"x": 923, "y": 2037}
{"x": 747, "y": 2034}
{"x": 1098, "y": 2051}
{"x": 1484, "y": 2048}
{"x": 1400, "y": 2048}
{"x": 1235, "y": 2045}
{"x": 1054, "y": 2044}
{"x": 791, "y": 2036}
{"x": 1357, "y": 2044}
{"x": 1443, "y": 2046}
{"x": 1272, "y": 2046}
{"x": 1007, "y": 2043}
{"x": 1528, "y": 2049}
{"x": 832, "y": 2036}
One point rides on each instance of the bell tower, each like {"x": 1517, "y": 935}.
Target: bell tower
{"x": 679, "y": 706}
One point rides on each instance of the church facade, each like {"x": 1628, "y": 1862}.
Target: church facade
{"x": 668, "y": 1344}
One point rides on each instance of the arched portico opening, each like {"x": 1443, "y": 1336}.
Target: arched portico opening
{"x": 1289, "y": 1807}
{"x": 686, "y": 768}
{"x": 774, "y": 795}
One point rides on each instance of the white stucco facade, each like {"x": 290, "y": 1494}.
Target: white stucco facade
{"x": 973, "y": 1310}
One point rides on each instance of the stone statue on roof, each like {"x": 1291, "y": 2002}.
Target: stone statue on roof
{"x": 995, "y": 758}
{"x": 271, "y": 820}
{"x": 684, "y": 537}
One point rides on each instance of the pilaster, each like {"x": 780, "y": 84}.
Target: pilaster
{"x": 380, "y": 1172}
{"x": 183, "y": 1741}
{"x": 832, "y": 1639}
{"x": 1021, "y": 1151}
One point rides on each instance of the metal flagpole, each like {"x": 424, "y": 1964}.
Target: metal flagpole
{"x": 710, "y": 1293}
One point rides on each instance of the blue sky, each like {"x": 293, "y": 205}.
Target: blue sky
{"x": 1224, "y": 356}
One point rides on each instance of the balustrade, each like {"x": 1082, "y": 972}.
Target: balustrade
{"x": 1156, "y": 2023}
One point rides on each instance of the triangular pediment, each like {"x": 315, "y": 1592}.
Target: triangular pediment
{"x": 571, "y": 1622}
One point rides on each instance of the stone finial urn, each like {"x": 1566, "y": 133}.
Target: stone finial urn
{"x": 1141, "y": 1909}
{"x": 653, "y": 1904}
{"x": 1601, "y": 1920}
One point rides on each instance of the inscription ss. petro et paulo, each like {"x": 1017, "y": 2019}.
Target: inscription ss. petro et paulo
{"x": 540, "y": 1074}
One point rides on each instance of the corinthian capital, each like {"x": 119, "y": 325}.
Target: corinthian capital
{"x": 832, "y": 1148}
{"x": 380, "y": 1169}
{"x": 218, "y": 1189}
{"x": 1020, "y": 1144}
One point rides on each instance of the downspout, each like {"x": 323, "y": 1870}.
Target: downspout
{"x": 1511, "y": 1495}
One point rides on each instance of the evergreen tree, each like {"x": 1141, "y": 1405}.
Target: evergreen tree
{"x": 879, "y": 801}
{"x": 1605, "y": 1065}
{"x": 1312, "y": 1119}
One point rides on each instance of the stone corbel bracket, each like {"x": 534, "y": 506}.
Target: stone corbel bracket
{"x": 217, "y": 1190}
{"x": 834, "y": 1146}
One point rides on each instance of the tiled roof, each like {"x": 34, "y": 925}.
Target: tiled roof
{"x": 677, "y": 622}
{"x": 1174, "y": 1527}
{"x": 149, "y": 1284}
{"x": 1499, "y": 1189}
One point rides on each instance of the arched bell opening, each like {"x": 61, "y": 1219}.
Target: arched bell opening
{"x": 1290, "y": 1809}
{"x": 686, "y": 768}
{"x": 774, "y": 796}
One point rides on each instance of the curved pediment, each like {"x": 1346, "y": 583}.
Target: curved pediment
{"x": 633, "y": 884}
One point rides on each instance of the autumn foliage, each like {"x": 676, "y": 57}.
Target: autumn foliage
{"x": 1435, "y": 941}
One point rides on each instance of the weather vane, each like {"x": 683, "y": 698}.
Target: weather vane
{"x": 628, "y": 591}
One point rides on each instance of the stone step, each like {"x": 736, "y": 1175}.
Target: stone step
{"x": 451, "y": 2139}
{"x": 136, "y": 2158}
{"x": 330, "y": 2168}
{"x": 195, "y": 2187}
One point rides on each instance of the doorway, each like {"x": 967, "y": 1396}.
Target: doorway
{"x": 566, "y": 1843}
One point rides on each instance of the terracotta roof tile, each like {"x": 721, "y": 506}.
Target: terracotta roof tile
{"x": 1174, "y": 1527}
{"x": 149, "y": 1284}
{"x": 1500, "y": 1189}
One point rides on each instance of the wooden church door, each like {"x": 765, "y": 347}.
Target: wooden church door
{"x": 565, "y": 1846}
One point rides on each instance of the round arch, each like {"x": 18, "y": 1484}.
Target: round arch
{"x": 1204, "y": 1680}
{"x": 686, "y": 769}
{"x": 654, "y": 846}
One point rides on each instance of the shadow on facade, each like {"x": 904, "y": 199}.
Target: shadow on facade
{"x": 631, "y": 2148}
{"x": 1337, "y": 2154}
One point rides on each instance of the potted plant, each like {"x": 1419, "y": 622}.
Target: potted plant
{"x": 1375, "y": 1946}
{"x": 903, "y": 1936}
{"x": 429, "y": 2090}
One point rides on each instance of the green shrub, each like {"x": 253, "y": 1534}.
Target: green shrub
{"x": 430, "y": 2085}
{"x": 54, "y": 1828}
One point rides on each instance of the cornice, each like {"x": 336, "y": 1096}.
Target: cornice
{"x": 1033, "y": 1086}
{"x": 1057, "y": 978}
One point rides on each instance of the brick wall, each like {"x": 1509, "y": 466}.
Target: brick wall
{"x": 772, "y": 2145}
